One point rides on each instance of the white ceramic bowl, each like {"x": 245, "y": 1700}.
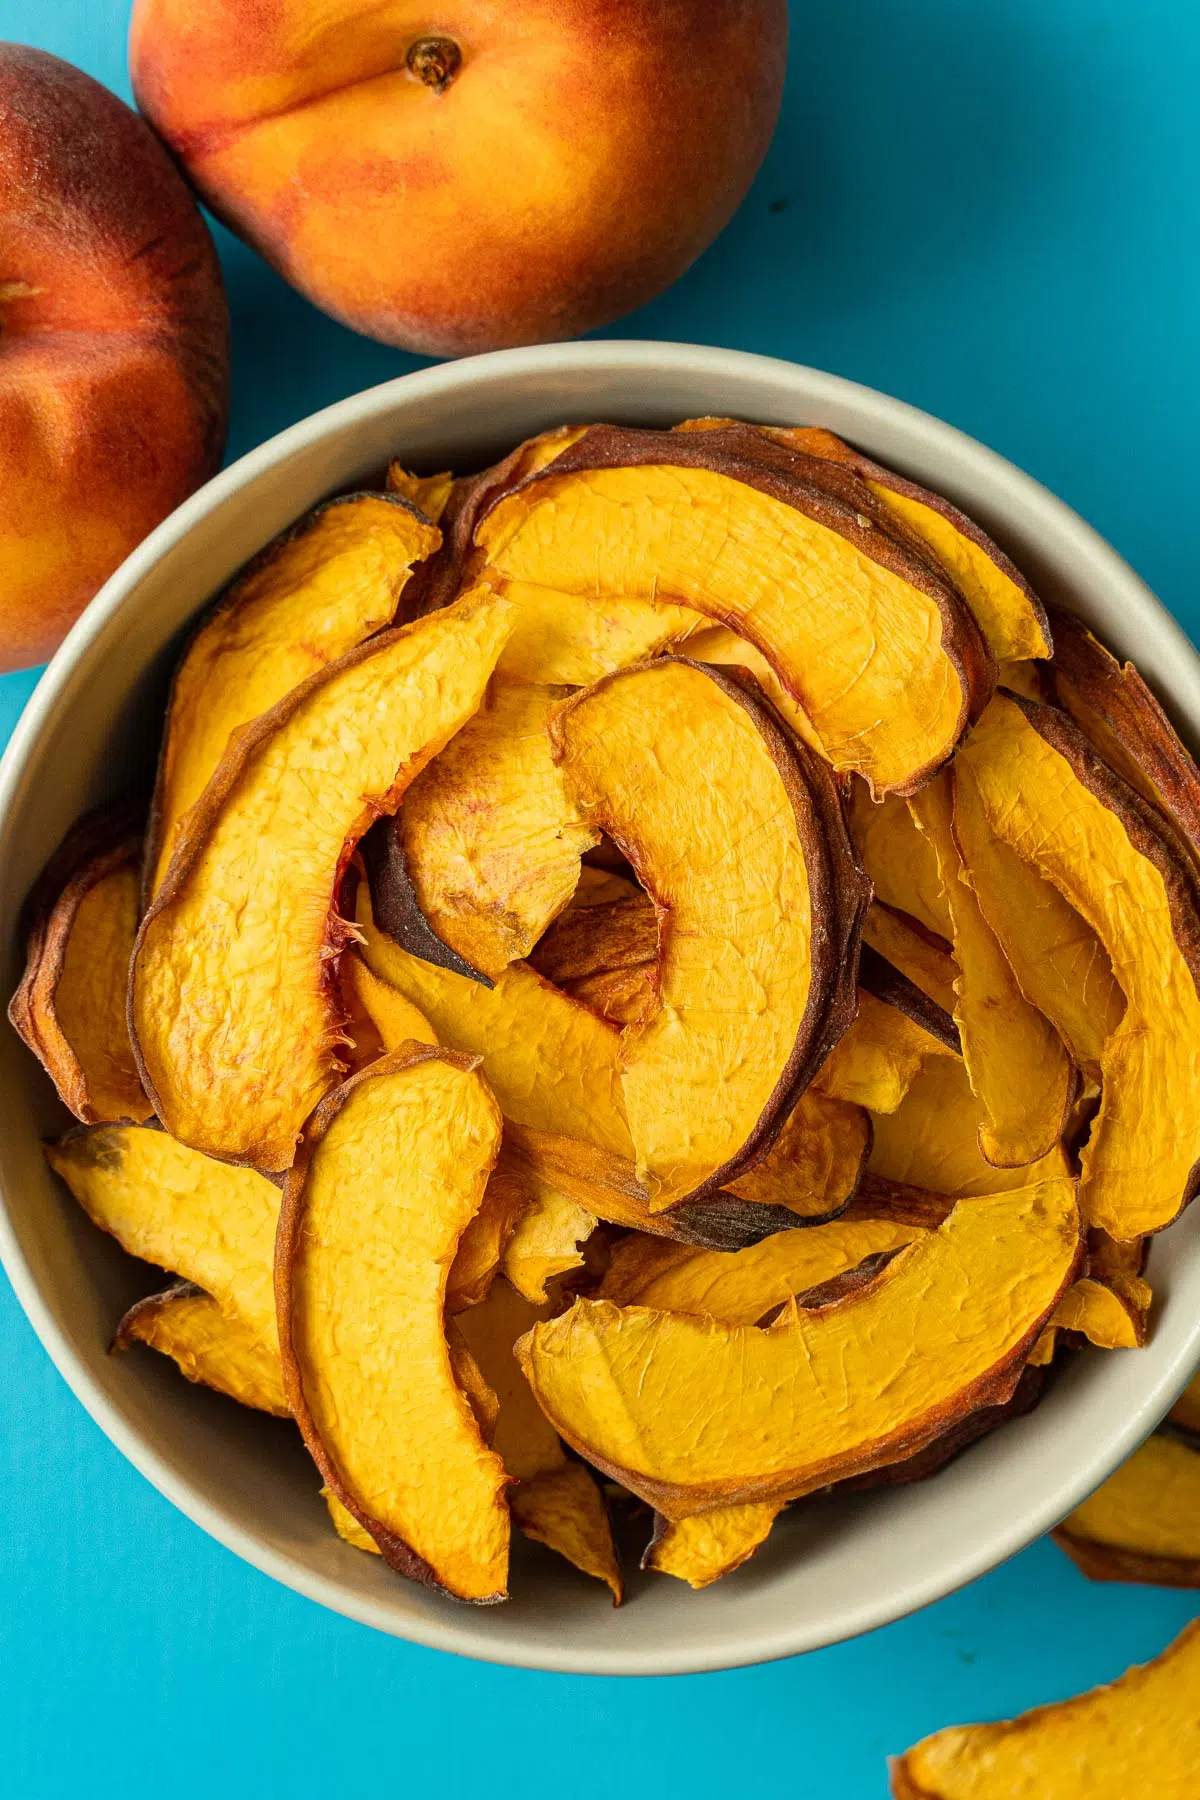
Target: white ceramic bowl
{"x": 830, "y": 1570}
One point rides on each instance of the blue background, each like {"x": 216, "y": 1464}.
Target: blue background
{"x": 989, "y": 209}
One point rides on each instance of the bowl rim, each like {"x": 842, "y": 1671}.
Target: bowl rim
{"x": 450, "y": 1628}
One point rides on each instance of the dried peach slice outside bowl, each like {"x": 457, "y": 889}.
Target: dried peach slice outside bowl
{"x": 832, "y": 1568}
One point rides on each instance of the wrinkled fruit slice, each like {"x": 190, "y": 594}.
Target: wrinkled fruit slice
{"x": 491, "y": 839}
{"x": 557, "y": 637}
{"x": 1009, "y": 613}
{"x": 1015, "y": 1060}
{"x": 899, "y": 858}
{"x": 738, "y": 837}
{"x": 548, "y": 1239}
{"x": 931, "y": 1141}
{"x": 740, "y": 1287}
{"x": 214, "y": 1348}
{"x": 1123, "y": 721}
{"x": 312, "y": 595}
{"x": 702, "y": 1549}
{"x": 391, "y": 1168}
{"x": 1140, "y": 1735}
{"x": 942, "y": 1330}
{"x": 553, "y": 1500}
{"x": 207, "y": 1221}
{"x": 233, "y": 1017}
{"x": 430, "y": 494}
{"x": 70, "y": 1004}
{"x": 1060, "y": 964}
{"x": 877, "y": 648}
{"x": 1144, "y": 1523}
{"x": 1031, "y": 777}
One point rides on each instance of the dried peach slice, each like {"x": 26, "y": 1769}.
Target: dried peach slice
{"x": 839, "y": 1390}
{"x": 875, "y": 645}
{"x": 492, "y": 840}
{"x": 738, "y": 836}
{"x": 231, "y": 1009}
{"x": 210, "y": 1345}
{"x": 391, "y": 1168}
{"x": 313, "y": 594}
{"x": 1139, "y": 1735}
{"x": 1015, "y": 1060}
{"x": 70, "y": 1004}
{"x": 1032, "y": 780}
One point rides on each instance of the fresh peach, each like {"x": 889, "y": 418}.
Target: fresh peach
{"x": 114, "y": 352}
{"x": 474, "y": 174}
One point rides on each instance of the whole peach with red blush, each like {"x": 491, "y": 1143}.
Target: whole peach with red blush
{"x": 475, "y": 174}
{"x": 114, "y": 344}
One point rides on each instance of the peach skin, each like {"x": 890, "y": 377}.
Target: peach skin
{"x": 114, "y": 354}
{"x": 479, "y": 174}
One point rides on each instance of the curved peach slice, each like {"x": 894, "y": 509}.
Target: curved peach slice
{"x": 931, "y": 1141}
{"x": 738, "y": 836}
{"x": 310, "y": 596}
{"x": 840, "y": 1390}
{"x": 70, "y": 1004}
{"x": 492, "y": 840}
{"x": 1009, "y": 613}
{"x": 877, "y": 647}
{"x": 557, "y": 637}
{"x": 898, "y": 857}
{"x": 1031, "y": 778}
{"x": 1060, "y": 964}
{"x": 1015, "y": 1060}
{"x": 1125, "y": 724}
{"x": 1138, "y": 1735}
{"x": 211, "y": 1346}
{"x": 207, "y": 1221}
{"x": 391, "y": 1169}
{"x": 231, "y": 1010}
{"x": 740, "y": 1287}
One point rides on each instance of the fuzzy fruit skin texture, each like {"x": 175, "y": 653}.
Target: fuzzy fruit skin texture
{"x": 114, "y": 344}
{"x": 582, "y": 156}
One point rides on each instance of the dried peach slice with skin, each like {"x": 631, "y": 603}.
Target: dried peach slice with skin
{"x": 1029, "y": 777}
{"x": 233, "y": 1010}
{"x": 209, "y": 1345}
{"x": 70, "y": 1004}
{"x": 1015, "y": 1060}
{"x": 492, "y": 841}
{"x": 821, "y": 1394}
{"x": 876, "y": 646}
{"x": 1139, "y": 1735}
{"x": 315, "y": 592}
{"x": 760, "y": 902}
{"x": 391, "y": 1169}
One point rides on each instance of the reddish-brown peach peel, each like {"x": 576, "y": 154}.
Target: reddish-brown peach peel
{"x": 114, "y": 355}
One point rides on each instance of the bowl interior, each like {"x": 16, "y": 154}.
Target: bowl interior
{"x": 830, "y": 1569}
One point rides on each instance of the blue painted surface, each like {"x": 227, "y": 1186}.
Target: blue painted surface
{"x": 991, "y": 211}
